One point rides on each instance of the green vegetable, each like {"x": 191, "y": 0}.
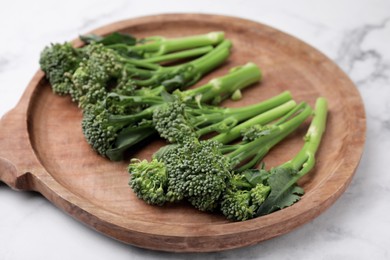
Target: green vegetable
{"x": 199, "y": 170}
{"x": 91, "y": 79}
{"x": 113, "y": 126}
{"x": 278, "y": 187}
{"x": 90, "y": 72}
{"x": 178, "y": 119}
{"x": 59, "y": 62}
{"x": 175, "y": 121}
{"x": 156, "y": 46}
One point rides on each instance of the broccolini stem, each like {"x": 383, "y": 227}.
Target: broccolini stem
{"x": 238, "y": 78}
{"x": 261, "y": 119}
{"x": 123, "y": 100}
{"x": 278, "y": 138}
{"x": 162, "y": 45}
{"x": 179, "y": 55}
{"x": 199, "y": 66}
{"x": 304, "y": 161}
{"x": 264, "y": 105}
{"x": 240, "y": 114}
{"x": 141, "y": 63}
{"x": 132, "y": 118}
{"x": 214, "y": 58}
{"x": 252, "y": 148}
{"x": 143, "y": 73}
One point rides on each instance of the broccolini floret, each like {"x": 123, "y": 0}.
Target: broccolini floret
{"x": 150, "y": 181}
{"x": 59, "y": 61}
{"x": 240, "y": 202}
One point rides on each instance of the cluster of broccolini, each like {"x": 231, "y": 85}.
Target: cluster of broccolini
{"x": 200, "y": 170}
{"x": 121, "y": 121}
{"x": 90, "y": 72}
{"x": 259, "y": 192}
{"x": 132, "y": 89}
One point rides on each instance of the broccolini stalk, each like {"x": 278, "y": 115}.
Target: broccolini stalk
{"x": 283, "y": 179}
{"x": 179, "y": 55}
{"x": 260, "y": 119}
{"x": 237, "y": 79}
{"x": 233, "y": 116}
{"x": 157, "y": 46}
{"x": 242, "y": 200}
{"x": 266, "y": 137}
{"x": 187, "y": 74}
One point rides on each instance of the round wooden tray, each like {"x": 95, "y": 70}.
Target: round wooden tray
{"x": 43, "y": 148}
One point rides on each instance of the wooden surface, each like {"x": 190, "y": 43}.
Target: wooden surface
{"x": 43, "y": 148}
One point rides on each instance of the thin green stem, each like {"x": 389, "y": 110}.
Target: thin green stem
{"x": 305, "y": 159}
{"x": 142, "y": 64}
{"x": 129, "y": 119}
{"x": 243, "y": 113}
{"x": 179, "y": 55}
{"x": 261, "y": 119}
{"x": 183, "y": 43}
{"x": 230, "y": 117}
{"x": 213, "y": 59}
{"x": 252, "y": 148}
{"x": 162, "y": 45}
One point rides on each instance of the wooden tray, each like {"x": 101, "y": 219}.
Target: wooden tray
{"x": 43, "y": 149}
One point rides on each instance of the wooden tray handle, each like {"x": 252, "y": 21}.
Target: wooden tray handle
{"x": 15, "y": 155}
{"x": 9, "y": 175}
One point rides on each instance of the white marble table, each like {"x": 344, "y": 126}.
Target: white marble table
{"x": 355, "y": 34}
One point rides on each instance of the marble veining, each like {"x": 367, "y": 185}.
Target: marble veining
{"x": 351, "y": 54}
{"x": 355, "y": 34}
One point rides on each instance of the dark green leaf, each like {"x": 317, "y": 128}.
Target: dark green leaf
{"x": 176, "y": 82}
{"x": 113, "y": 38}
{"x": 127, "y": 138}
{"x": 255, "y": 177}
{"x": 116, "y": 37}
{"x": 284, "y": 191}
{"x": 88, "y": 38}
{"x": 167, "y": 97}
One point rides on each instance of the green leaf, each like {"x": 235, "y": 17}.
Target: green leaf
{"x": 118, "y": 38}
{"x": 127, "y": 138}
{"x": 88, "y": 38}
{"x": 284, "y": 191}
{"x": 177, "y": 82}
{"x": 255, "y": 177}
{"x": 167, "y": 97}
{"x": 113, "y": 38}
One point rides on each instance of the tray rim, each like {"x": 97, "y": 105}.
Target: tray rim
{"x": 38, "y": 179}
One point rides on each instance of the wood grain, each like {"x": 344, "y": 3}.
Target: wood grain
{"x": 43, "y": 148}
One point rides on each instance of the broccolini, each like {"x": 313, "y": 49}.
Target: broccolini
{"x": 259, "y": 192}
{"x": 111, "y": 127}
{"x": 200, "y": 170}
{"x": 90, "y": 72}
